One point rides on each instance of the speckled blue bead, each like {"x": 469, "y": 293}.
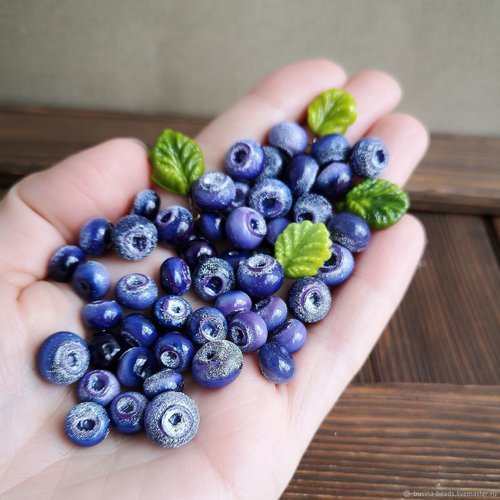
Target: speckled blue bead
{"x": 105, "y": 350}
{"x": 163, "y": 381}
{"x": 63, "y": 358}
{"x": 91, "y": 280}
{"x": 292, "y": 335}
{"x": 288, "y": 137}
{"x": 138, "y": 331}
{"x": 232, "y": 302}
{"x": 175, "y": 225}
{"x": 260, "y": 276}
{"x": 329, "y": 148}
{"x": 244, "y": 160}
{"x": 64, "y": 262}
{"x": 98, "y": 386}
{"x": 273, "y": 310}
{"x": 276, "y": 363}
{"x": 86, "y": 424}
{"x": 174, "y": 351}
{"x": 234, "y": 257}
{"x": 240, "y": 198}
{"x": 275, "y": 227}
{"x": 245, "y": 228}
{"x": 102, "y": 314}
{"x": 312, "y": 207}
{"x": 274, "y": 163}
{"x": 271, "y": 198}
{"x": 301, "y": 174}
{"x": 369, "y": 157}
{"x": 350, "y": 231}
{"x": 126, "y": 412}
{"x": 175, "y": 276}
{"x": 134, "y": 237}
{"x": 217, "y": 364}
{"x": 309, "y": 300}
{"x": 197, "y": 250}
{"x": 338, "y": 267}
{"x": 171, "y": 312}
{"x": 136, "y": 291}
{"x": 146, "y": 203}
{"x": 206, "y": 324}
{"x": 134, "y": 366}
{"x": 213, "y": 277}
{"x": 171, "y": 419}
{"x": 213, "y": 191}
{"x": 334, "y": 180}
{"x": 211, "y": 225}
{"x": 95, "y": 236}
{"x": 248, "y": 331}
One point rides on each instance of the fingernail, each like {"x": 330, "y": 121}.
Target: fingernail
{"x": 141, "y": 143}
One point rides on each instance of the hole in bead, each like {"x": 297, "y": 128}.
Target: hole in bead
{"x": 72, "y": 359}
{"x": 169, "y": 358}
{"x": 314, "y": 300}
{"x": 240, "y": 156}
{"x": 135, "y": 281}
{"x": 139, "y": 243}
{"x": 86, "y": 425}
{"x": 98, "y": 384}
{"x": 262, "y": 304}
{"x": 125, "y": 405}
{"x": 305, "y": 216}
{"x": 238, "y": 335}
{"x": 208, "y": 329}
{"x": 210, "y": 354}
{"x": 269, "y": 203}
{"x": 259, "y": 262}
{"x": 167, "y": 217}
{"x": 214, "y": 285}
{"x": 175, "y": 419}
{"x": 380, "y": 155}
{"x": 84, "y": 286}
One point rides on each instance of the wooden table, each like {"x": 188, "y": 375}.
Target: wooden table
{"x": 423, "y": 414}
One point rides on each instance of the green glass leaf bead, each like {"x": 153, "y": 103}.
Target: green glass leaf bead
{"x": 177, "y": 162}
{"x": 381, "y": 203}
{"x": 331, "y": 112}
{"x": 302, "y": 248}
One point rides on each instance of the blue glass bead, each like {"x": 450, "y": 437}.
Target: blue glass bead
{"x": 232, "y": 302}
{"x": 197, "y": 250}
{"x": 126, "y": 412}
{"x": 334, "y": 180}
{"x": 276, "y": 363}
{"x": 64, "y": 262}
{"x": 330, "y": 148}
{"x": 171, "y": 419}
{"x": 288, "y": 137}
{"x": 146, "y": 203}
{"x": 240, "y": 198}
{"x": 234, "y": 257}
{"x": 350, "y": 231}
{"x": 63, "y": 358}
{"x": 369, "y": 157}
{"x": 309, "y": 300}
{"x": 136, "y": 291}
{"x": 292, "y": 335}
{"x": 271, "y": 198}
{"x": 86, "y": 424}
{"x": 102, "y": 314}
{"x": 338, "y": 267}
{"x": 175, "y": 276}
{"x": 98, "y": 386}
{"x": 134, "y": 237}
{"x": 211, "y": 225}
{"x": 217, "y": 364}
{"x": 260, "y": 276}
{"x": 274, "y": 163}
{"x": 301, "y": 174}
{"x": 248, "y": 331}
{"x": 105, "y": 350}
{"x": 213, "y": 277}
{"x": 275, "y": 227}
{"x": 174, "y": 351}
{"x": 312, "y": 207}
{"x": 134, "y": 366}
{"x": 91, "y": 280}
{"x": 244, "y": 160}
{"x": 175, "y": 225}
{"x": 273, "y": 311}
{"x": 163, "y": 381}
{"x": 213, "y": 192}
{"x": 206, "y": 324}
{"x": 245, "y": 228}
{"x": 95, "y": 236}
{"x": 171, "y": 312}
{"x": 137, "y": 331}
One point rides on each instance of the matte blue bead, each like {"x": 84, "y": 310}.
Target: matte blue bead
{"x": 138, "y": 331}
{"x": 171, "y": 312}
{"x": 63, "y": 358}
{"x": 98, "y": 386}
{"x": 334, "y": 180}
{"x": 350, "y": 231}
{"x": 244, "y": 160}
{"x": 338, "y": 267}
{"x": 213, "y": 277}
{"x": 288, "y": 137}
{"x": 134, "y": 366}
{"x": 175, "y": 225}
{"x": 260, "y": 276}
{"x": 102, "y": 314}
{"x": 136, "y": 291}
{"x": 134, "y": 237}
{"x": 275, "y": 227}
{"x": 95, "y": 236}
{"x": 271, "y": 198}
{"x": 301, "y": 174}
{"x": 276, "y": 363}
{"x": 213, "y": 191}
{"x": 86, "y": 424}
{"x": 175, "y": 276}
{"x": 248, "y": 331}
{"x": 309, "y": 300}
{"x": 91, "y": 280}
{"x": 274, "y": 163}
{"x": 240, "y": 198}
{"x": 126, "y": 412}
{"x": 245, "y": 228}
{"x": 211, "y": 225}
{"x": 329, "y": 148}
{"x": 206, "y": 324}
{"x": 232, "y": 302}
{"x": 292, "y": 335}
{"x": 273, "y": 310}
{"x": 64, "y": 262}
{"x": 197, "y": 250}
{"x": 174, "y": 351}
{"x": 146, "y": 203}
{"x": 105, "y": 350}
{"x": 369, "y": 157}
{"x": 163, "y": 381}
{"x": 234, "y": 257}
{"x": 312, "y": 207}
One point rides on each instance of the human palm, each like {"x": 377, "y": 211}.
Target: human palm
{"x": 252, "y": 433}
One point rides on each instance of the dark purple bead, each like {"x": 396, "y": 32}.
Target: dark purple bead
{"x": 273, "y": 311}
{"x": 248, "y": 331}
{"x": 171, "y": 312}
{"x": 312, "y": 207}
{"x": 301, "y": 174}
{"x": 213, "y": 191}
{"x": 329, "y": 148}
{"x": 95, "y": 236}
{"x": 274, "y": 163}
{"x": 137, "y": 331}
{"x": 211, "y": 226}
{"x": 213, "y": 277}
{"x": 275, "y": 227}
{"x": 134, "y": 237}
{"x": 271, "y": 198}
{"x": 175, "y": 225}
{"x": 334, "y": 180}
{"x": 91, "y": 280}
{"x": 232, "y": 302}
{"x": 338, "y": 267}
{"x": 244, "y": 160}
{"x": 207, "y": 324}
{"x": 175, "y": 276}
{"x": 105, "y": 350}
{"x": 260, "y": 276}
{"x": 235, "y": 257}
{"x": 146, "y": 203}
{"x": 134, "y": 366}
{"x": 292, "y": 335}
{"x": 276, "y": 363}
{"x": 197, "y": 250}
{"x": 102, "y": 314}
{"x": 245, "y": 228}
{"x": 163, "y": 381}
{"x": 288, "y": 137}
{"x": 240, "y": 198}
{"x": 136, "y": 291}
{"x": 350, "y": 231}
{"x": 309, "y": 300}
{"x": 174, "y": 351}
{"x": 369, "y": 157}
{"x": 64, "y": 262}
{"x": 98, "y": 386}
{"x": 126, "y": 412}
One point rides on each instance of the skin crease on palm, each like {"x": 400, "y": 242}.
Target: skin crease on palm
{"x": 252, "y": 433}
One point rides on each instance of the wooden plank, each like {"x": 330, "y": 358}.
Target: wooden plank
{"x": 382, "y": 440}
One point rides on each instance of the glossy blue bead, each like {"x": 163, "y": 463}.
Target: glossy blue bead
{"x": 271, "y": 198}
{"x": 98, "y": 386}
{"x": 275, "y": 227}
{"x": 232, "y": 302}
{"x": 206, "y": 324}
{"x": 86, "y": 424}
{"x": 334, "y": 180}
{"x": 273, "y": 310}
{"x": 301, "y": 174}
{"x": 105, "y": 350}
{"x": 240, "y": 198}
{"x": 126, "y": 412}
{"x": 171, "y": 312}
{"x": 91, "y": 280}
{"x": 196, "y": 250}
{"x": 63, "y": 358}
{"x": 213, "y": 277}
{"x": 330, "y": 148}
{"x": 95, "y": 236}
{"x": 134, "y": 237}
{"x": 163, "y": 381}
{"x": 146, "y": 203}
{"x": 175, "y": 276}
{"x": 217, "y": 364}
{"x": 312, "y": 207}
{"x": 138, "y": 331}
{"x": 175, "y": 225}
{"x": 276, "y": 363}
{"x": 350, "y": 231}
{"x": 213, "y": 191}
{"x": 260, "y": 276}
{"x": 338, "y": 267}
{"x": 102, "y": 314}
{"x": 248, "y": 331}
{"x": 292, "y": 335}
{"x": 244, "y": 160}
{"x": 174, "y": 351}
{"x": 134, "y": 366}
{"x": 309, "y": 300}
{"x": 211, "y": 226}
{"x": 245, "y": 228}
{"x": 235, "y": 256}
{"x": 136, "y": 291}
{"x": 288, "y": 137}
{"x": 64, "y": 262}
{"x": 369, "y": 157}
{"x": 274, "y": 163}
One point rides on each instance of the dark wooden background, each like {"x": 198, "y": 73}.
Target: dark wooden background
{"x": 423, "y": 414}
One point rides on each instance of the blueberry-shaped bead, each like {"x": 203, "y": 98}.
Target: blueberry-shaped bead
{"x": 98, "y": 386}
{"x": 369, "y": 157}
{"x": 126, "y": 412}
{"x": 211, "y": 225}
{"x": 245, "y": 228}
{"x": 175, "y": 225}
{"x": 163, "y": 381}
{"x": 174, "y": 351}
{"x": 136, "y": 291}
{"x": 206, "y": 324}
{"x": 274, "y": 163}
{"x": 95, "y": 236}
{"x": 134, "y": 237}
{"x": 273, "y": 311}
{"x": 137, "y": 331}
{"x": 260, "y": 276}
{"x": 134, "y": 366}
{"x": 276, "y": 363}
{"x": 309, "y": 300}
{"x": 292, "y": 335}
{"x": 338, "y": 267}
{"x": 217, "y": 364}
{"x": 232, "y": 302}
{"x": 105, "y": 350}
{"x": 171, "y": 312}
{"x": 312, "y": 207}
{"x": 330, "y": 148}
{"x": 235, "y": 256}
{"x": 64, "y": 262}
{"x": 301, "y": 174}
{"x": 248, "y": 331}
{"x": 91, "y": 280}
{"x": 175, "y": 276}
{"x": 86, "y": 424}
{"x": 171, "y": 419}
{"x": 288, "y": 137}
{"x": 350, "y": 230}
{"x": 240, "y": 198}
{"x": 275, "y": 227}
{"x": 213, "y": 277}
{"x": 197, "y": 250}
{"x": 63, "y": 358}
{"x": 244, "y": 160}
{"x": 213, "y": 191}
{"x": 271, "y": 198}
{"x": 146, "y": 203}
{"x": 334, "y": 180}
{"x": 102, "y": 314}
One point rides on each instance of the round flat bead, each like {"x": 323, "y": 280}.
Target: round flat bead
{"x": 95, "y": 236}
{"x": 137, "y": 331}
{"x": 136, "y": 291}
{"x": 98, "y": 386}
{"x": 288, "y": 137}
{"x": 235, "y": 256}
{"x": 240, "y": 198}
{"x": 273, "y": 310}
{"x": 233, "y": 302}
{"x": 146, "y": 203}
{"x": 309, "y": 300}
{"x": 206, "y": 324}
{"x": 134, "y": 366}
{"x": 175, "y": 276}
{"x": 260, "y": 276}
{"x": 275, "y": 227}
{"x": 271, "y": 198}
{"x": 175, "y": 225}
{"x": 292, "y": 335}
{"x": 276, "y": 363}
{"x": 64, "y": 262}
{"x": 197, "y": 250}
{"x": 312, "y": 207}
{"x": 245, "y": 228}
{"x": 338, "y": 267}
{"x": 126, "y": 412}
{"x": 105, "y": 350}
{"x": 86, "y": 424}
{"x": 171, "y": 312}
{"x": 301, "y": 174}
{"x": 350, "y": 231}
{"x": 274, "y": 163}
{"x": 334, "y": 180}
{"x": 244, "y": 160}
{"x": 91, "y": 280}
{"x": 134, "y": 237}
{"x": 102, "y": 314}
{"x": 163, "y": 381}
{"x": 369, "y": 157}
{"x": 329, "y": 148}
{"x": 174, "y": 351}
{"x": 248, "y": 331}
{"x": 213, "y": 277}
{"x": 211, "y": 225}
{"x": 213, "y": 191}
